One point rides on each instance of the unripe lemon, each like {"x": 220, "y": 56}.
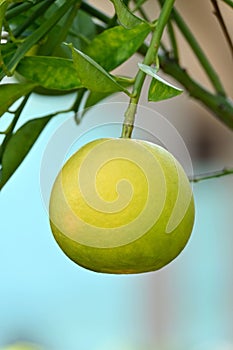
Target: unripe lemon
{"x": 121, "y": 206}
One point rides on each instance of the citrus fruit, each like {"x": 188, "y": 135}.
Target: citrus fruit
{"x": 121, "y": 206}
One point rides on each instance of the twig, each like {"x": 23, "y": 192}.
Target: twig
{"x": 140, "y": 10}
{"x": 220, "y": 105}
{"x": 12, "y": 125}
{"x": 219, "y": 16}
{"x": 212, "y": 75}
{"x": 211, "y": 175}
{"x": 91, "y": 10}
{"x": 172, "y": 38}
{"x": 201, "y": 56}
{"x": 173, "y": 41}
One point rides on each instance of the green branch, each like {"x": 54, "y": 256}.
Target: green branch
{"x": 12, "y": 125}
{"x": 150, "y": 58}
{"x": 219, "y": 105}
{"x": 219, "y": 16}
{"x": 173, "y": 41}
{"x": 140, "y": 10}
{"x": 211, "y": 175}
{"x": 191, "y": 40}
{"x": 95, "y": 12}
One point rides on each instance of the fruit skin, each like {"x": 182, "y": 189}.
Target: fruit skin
{"x": 150, "y": 250}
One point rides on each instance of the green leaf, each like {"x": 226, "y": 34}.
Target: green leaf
{"x": 37, "y": 35}
{"x": 7, "y": 51}
{"x": 92, "y": 75}
{"x": 3, "y": 8}
{"x": 92, "y": 99}
{"x": 9, "y": 93}
{"x": 159, "y": 89}
{"x": 126, "y": 18}
{"x": 52, "y": 46}
{"x": 19, "y": 145}
{"x": 115, "y": 45}
{"x": 95, "y": 97}
{"x": 82, "y": 31}
{"x": 50, "y": 72}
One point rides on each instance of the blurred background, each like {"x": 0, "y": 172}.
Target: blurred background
{"x": 47, "y": 300}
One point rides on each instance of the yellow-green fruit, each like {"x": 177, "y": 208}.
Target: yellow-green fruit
{"x": 122, "y": 206}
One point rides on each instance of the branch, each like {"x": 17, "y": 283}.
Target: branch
{"x": 211, "y": 175}
{"x": 10, "y": 129}
{"x": 91, "y": 10}
{"x": 197, "y": 50}
{"x": 221, "y": 106}
{"x": 219, "y": 16}
{"x": 201, "y": 56}
{"x": 173, "y": 41}
{"x": 140, "y": 10}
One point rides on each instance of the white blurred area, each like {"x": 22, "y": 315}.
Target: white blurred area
{"x": 46, "y": 299}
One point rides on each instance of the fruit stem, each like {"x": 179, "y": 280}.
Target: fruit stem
{"x": 150, "y": 58}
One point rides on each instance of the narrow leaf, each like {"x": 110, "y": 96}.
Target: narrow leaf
{"x": 37, "y": 35}
{"x": 50, "y": 72}
{"x": 95, "y": 97}
{"x": 9, "y": 93}
{"x": 7, "y": 52}
{"x": 92, "y": 75}
{"x": 115, "y": 45}
{"x": 3, "y": 8}
{"x": 19, "y": 145}
{"x": 125, "y": 16}
{"x": 82, "y": 31}
{"x": 159, "y": 89}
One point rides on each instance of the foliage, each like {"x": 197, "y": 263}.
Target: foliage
{"x": 58, "y": 46}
